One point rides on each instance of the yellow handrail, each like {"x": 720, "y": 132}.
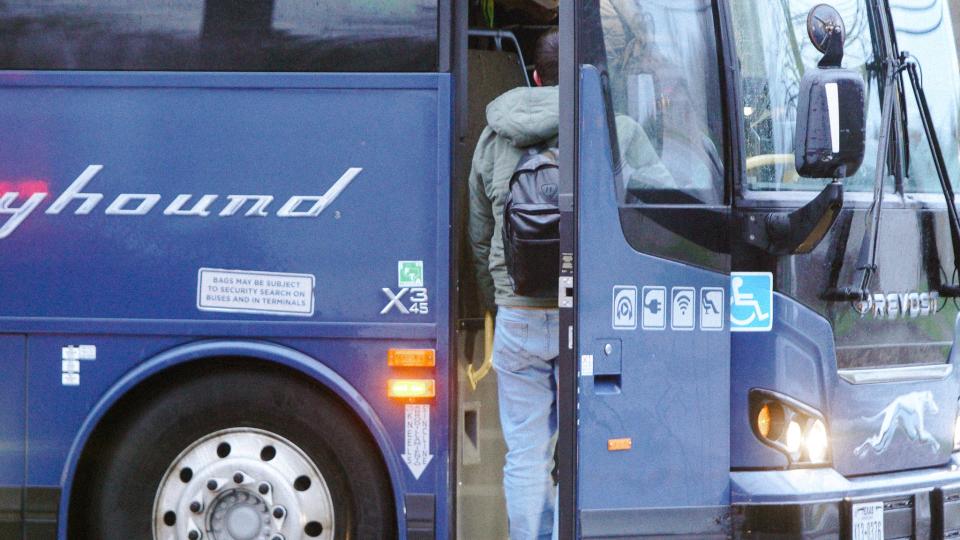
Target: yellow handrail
{"x": 476, "y": 376}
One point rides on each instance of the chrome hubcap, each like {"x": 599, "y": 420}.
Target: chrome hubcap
{"x": 243, "y": 484}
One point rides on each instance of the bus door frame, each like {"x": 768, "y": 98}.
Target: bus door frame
{"x": 567, "y": 376}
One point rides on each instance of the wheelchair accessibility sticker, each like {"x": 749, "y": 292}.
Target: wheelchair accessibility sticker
{"x": 751, "y": 301}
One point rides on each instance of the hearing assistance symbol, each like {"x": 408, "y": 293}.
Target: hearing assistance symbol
{"x": 683, "y": 314}
{"x": 654, "y": 308}
{"x": 751, "y": 301}
{"x": 624, "y": 307}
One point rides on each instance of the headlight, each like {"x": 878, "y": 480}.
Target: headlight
{"x": 794, "y": 439}
{"x": 793, "y": 428}
{"x": 817, "y": 443}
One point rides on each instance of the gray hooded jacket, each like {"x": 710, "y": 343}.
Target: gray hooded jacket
{"x": 518, "y": 119}
{"x": 521, "y": 118}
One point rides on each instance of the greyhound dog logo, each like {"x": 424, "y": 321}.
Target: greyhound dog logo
{"x": 907, "y": 412}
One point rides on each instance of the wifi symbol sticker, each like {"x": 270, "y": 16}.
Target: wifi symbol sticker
{"x": 684, "y": 300}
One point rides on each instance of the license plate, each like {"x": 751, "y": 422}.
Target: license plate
{"x": 868, "y": 521}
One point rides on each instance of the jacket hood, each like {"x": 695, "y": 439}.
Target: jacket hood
{"x": 526, "y": 116}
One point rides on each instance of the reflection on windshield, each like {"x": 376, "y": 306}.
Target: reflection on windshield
{"x": 925, "y": 29}
{"x": 661, "y": 60}
{"x": 773, "y": 48}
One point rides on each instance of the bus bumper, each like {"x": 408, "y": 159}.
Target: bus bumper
{"x": 817, "y": 503}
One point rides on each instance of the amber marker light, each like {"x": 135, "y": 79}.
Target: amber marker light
{"x": 770, "y": 421}
{"x": 764, "y": 421}
{"x": 411, "y": 388}
{"x": 411, "y": 358}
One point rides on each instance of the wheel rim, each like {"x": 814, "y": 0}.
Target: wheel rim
{"x": 243, "y": 484}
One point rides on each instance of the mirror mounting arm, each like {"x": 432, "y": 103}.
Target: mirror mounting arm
{"x": 796, "y": 232}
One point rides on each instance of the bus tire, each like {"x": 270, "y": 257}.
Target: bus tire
{"x": 156, "y": 459}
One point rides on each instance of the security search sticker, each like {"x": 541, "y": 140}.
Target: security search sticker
{"x": 409, "y": 273}
{"x": 751, "y": 301}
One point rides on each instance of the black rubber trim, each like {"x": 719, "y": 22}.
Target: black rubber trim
{"x": 676, "y": 522}
{"x": 40, "y": 508}
{"x": 29, "y": 513}
{"x": 945, "y": 505}
{"x": 817, "y": 520}
{"x": 421, "y": 516}
{"x": 11, "y": 516}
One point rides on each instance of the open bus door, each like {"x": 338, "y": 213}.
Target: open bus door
{"x": 645, "y": 343}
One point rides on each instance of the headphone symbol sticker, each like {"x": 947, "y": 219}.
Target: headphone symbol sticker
{"x": 624, "y": 307}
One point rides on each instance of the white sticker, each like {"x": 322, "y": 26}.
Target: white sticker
{"x": 586, "y": 365}
{"x": 833, "y": 111}
{"x": 624, "y": 307}
{"x": 70, "y": 366}
{"x": 81, "y": 352}
{"x": 416, "y": 438}
{"x": 70, "y": 379}
{"x": 711, "y": 308}
{"x": 654, "y": 302}
{"x": 682, "y": 315}
{"x": 240, "y": 291}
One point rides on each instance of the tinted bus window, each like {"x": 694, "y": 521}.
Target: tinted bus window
{"x": 219, "y": 35}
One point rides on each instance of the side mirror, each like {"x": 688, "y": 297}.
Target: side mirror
{"x": 831, "y": 114}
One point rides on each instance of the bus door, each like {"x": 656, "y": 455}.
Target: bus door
{"x": 647, "y": 237}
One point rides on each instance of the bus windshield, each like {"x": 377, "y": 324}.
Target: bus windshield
{"x": 927, "y": 30}
{"x": 774, "y": 50}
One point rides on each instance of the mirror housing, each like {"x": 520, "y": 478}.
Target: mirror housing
{"x": 831, "y": 113}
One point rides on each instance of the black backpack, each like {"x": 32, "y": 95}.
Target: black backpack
{"x": 531, "y": 224}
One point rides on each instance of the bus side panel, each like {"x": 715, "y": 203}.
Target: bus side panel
{"x": 57, "y": 413}
{"x": 352, "y": 176}
{"x": 347, "y": 175}
{"x": 12, "y": 390}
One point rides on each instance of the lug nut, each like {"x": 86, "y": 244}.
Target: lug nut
{"x": 264, "y": 488}
{"x": 212, "y": 485}
{"x": 277, "y": 537}
{"x": 196, "y": 507}
{"x": 194, "y": 535}
{"x": 278, "y": 512}
{"x": 238, "y": 478}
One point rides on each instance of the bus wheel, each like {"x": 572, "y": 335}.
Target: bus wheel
{"x": 235, "y": 456}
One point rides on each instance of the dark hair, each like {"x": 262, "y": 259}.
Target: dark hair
{"x": 547, "y": 57}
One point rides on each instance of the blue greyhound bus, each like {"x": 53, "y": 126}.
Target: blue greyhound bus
{"x": 236, "y": 299}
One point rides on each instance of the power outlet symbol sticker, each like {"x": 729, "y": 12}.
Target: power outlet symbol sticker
{"x": 654, "y": 308}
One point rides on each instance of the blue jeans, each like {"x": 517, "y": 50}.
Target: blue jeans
{"x": 526, "y": 345}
